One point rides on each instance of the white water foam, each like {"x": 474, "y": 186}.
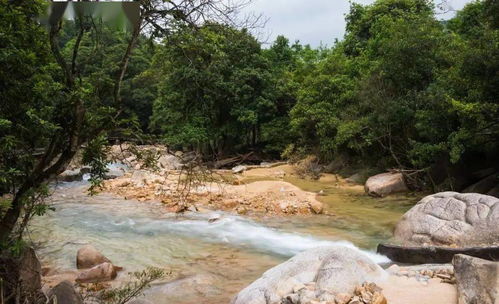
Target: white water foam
{"x": 242, "y": 232}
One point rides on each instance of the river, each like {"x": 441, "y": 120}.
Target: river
{"x": 209, "y": 262}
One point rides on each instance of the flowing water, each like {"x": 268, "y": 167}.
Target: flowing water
{"x": 209, "y": 262}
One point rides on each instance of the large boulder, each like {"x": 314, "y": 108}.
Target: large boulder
{"x": 477, "y": 280}
{"x": 64, "y": 293}
{"x": 88, "y": 256}
{"x": 332, "y": 271}
{"x": 30, "y": 271}
{"x": 21, "y": 275}
{"x": 71, "y": 175}
{"x": 170, "y": 162}
{"x": 451, "y": 218}
{"x": 100, "y": 273}
{"x": 384, "y": 184}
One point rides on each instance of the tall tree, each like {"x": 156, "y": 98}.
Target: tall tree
{"x": 76, "y": 113}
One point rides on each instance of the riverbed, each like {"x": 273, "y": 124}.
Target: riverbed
{"x": 209, "y": 262}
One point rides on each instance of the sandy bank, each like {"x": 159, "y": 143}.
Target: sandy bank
{"x": 407, "y": 290}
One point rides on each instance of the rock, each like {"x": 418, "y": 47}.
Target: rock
{"x": 494, "y": 191}
{"x": 316, "y": 207}
{"x": 100, "y": 273}
{"x": 192, "y": 208}
{"x": 88, "y": 257}
{"x": 141, "y": 178}
{"x": 334, "y": 270}
{"x": 384, "y": 184}
{"x": 114, "y": 173}
{"x": 484, "y": 186}
{"x": 170, "y": 162}
{"x": 265, "y": 165}
{"x": 278, "y": 174}
{"x": 71, "y": 175}
{"x": 85, "y": 169}
{"x": 214, "y": 218}
{"x": 239, "y": 169}
{"x": 370, "y": 293}
{"x": 421, "y": 254}
{"x": 477, "y": 280}
{"x": 343, "y": 298}
{"x": 451, "y": 218}
{"x": 121, "y": 183}
{"x": 185, "y": 287}
{"x": 30, "y": 271}
{"x": 64, "y": 293}
{"x": 357, "y": 178}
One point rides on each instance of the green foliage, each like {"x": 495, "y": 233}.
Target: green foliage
{"x": 139, "y": 281}
{"x": 95, "y": 155}
{"x": 27, "y": 91}
{"x": 213, "y": 96}
{"x": 404, "y": 90}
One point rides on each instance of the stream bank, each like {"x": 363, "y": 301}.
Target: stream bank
{"x": 209, "y": 261}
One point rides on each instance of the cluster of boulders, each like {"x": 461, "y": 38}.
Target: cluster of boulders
{"x": 93, "y": 267}
{"x": 367, "y": 293}
{"x": 338, "y": 275}
{"x": 331, "y": 275}
{"x": 465, "y": 222}
{"x": 276, "y": 198}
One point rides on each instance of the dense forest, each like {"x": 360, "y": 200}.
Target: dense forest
{"x": 402, "y": 90}
{"x": 404, "y": 93}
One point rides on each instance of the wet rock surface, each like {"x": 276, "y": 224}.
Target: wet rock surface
{"x": 100, "y": 273}
{"x": 88, "y": 256}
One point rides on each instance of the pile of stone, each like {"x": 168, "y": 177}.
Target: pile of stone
{"x": 136, "y": 157}
{"x": 425, "y": 272}
{"x": 93, "y": 267}
{"x": 325, "y": 275}
{"x": 367, "y": 293}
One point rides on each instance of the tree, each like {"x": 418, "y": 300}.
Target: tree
{"x": 72, "y": 111}
{"x": 213, "y": 93}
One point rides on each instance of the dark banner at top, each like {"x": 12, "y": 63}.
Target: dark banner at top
{"x": 122, "y": 13}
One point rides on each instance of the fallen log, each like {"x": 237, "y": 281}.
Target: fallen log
{"x": 434, "y": 254}
{"x": 237, "y": 160}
